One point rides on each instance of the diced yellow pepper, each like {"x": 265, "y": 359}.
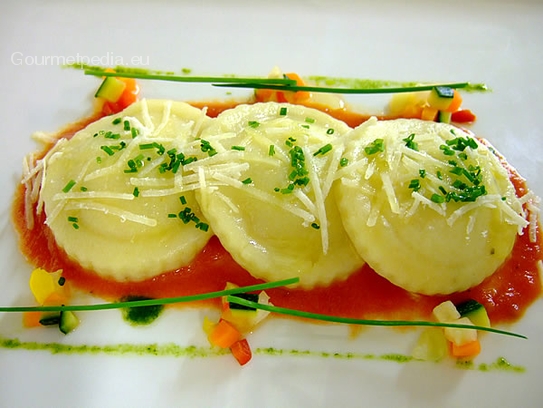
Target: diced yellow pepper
{"x": 44, "y": 285}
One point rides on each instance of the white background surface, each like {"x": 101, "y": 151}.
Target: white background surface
{"x": 498, "y": 43}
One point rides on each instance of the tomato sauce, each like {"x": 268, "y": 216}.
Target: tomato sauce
{"x": 506, "y": 294}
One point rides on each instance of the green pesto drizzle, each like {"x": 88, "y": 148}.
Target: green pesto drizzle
{"x": 364, "y": 83}
{"x": 177, "y": 351}
{"x": 142, "y": 315}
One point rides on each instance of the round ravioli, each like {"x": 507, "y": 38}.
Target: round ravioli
{"x": 268, "y": 175}
{"x": 119, "y": 195}
{"x": 427, "y": 206}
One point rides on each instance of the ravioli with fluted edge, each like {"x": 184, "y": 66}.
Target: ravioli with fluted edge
{"x": 426, "y": 205}
{"x": 266, "y": 192}
{"x": 119, "y": 195}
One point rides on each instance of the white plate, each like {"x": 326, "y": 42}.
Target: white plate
{"x": 492, "y": 42}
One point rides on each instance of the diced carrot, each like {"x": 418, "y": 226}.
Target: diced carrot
{"x": 224, "y": 335}
{"x": 281, "y": 97}
{"x": 241, "y": 351}
{"x": 31, "y": 319}
{"x": 130, "y": 93}
{"x": 429, "y": 113}
{"x": 463, "y": 116}
{"x": 469, "y": 350}
{"x": 300, "y": 95}
{"x": 263, "y": 95}
{"x": 456, "y": 102}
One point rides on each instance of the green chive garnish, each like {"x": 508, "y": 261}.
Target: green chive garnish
{"x": 364, "y": 322}
{"x": 283, "y": 111}
{"x": 378, "y": 145}
{"x": 185, "y": 78}
{"x": 116, "y": 121}
{"x": 323, "y": 150}
{"x": 152, "y": 302}
{"x": 253, "y": 123}
{"x": 239, "y": 148}
{"x": 108, "y": 150}
{"x": 382, "y": 90}
{"x": 68, "y": 186}
{"x": 271, "y": 150}
{"x": 248, "y": 180}
{"x": 136, "y": 192}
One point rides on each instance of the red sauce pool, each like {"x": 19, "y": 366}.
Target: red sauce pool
{"x": 506, "y": 294}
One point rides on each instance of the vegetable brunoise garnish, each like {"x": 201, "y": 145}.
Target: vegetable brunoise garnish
{"x": 287, "y": 202}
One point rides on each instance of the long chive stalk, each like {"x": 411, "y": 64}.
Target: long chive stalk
{"x": 152, "y": 302}
{"x": 362, "y": 322}
{"x": 325, "y": 89}
{"x": 188, "y": 78}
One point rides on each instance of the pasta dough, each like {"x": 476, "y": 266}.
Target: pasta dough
{"x": 114, "y": 193}
{"x": 266, "y": 192}
{"x": 428, "y": 207}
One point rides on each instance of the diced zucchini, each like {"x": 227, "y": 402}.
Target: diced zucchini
{"x": 441, "y": 97}
{"x": 444, "y": 117}
{"x": 247, "y": 296}
{"x": 431, "y": 345}
{"x": 68, "y": 321}
{"x": 475, "y": 312}
{"x": 111, "y": 89}
{"x": 446, "y": 312}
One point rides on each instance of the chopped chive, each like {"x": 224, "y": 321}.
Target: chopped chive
{"x": 111, "y": 135}
{"x": 309, "y": 120}
{"x": 343, "y": 162}
{"x": 134, "y": 132}
{"x": 183, "y": 200}
{"x": 83, "y": 188}
{"x": 170, "y": 215}
{"x": 436, "y": 198}
{"x": 108, "y": 150}
{"x": 330, "y": 131}
{"x": 315, "y": 225}
{"x": 248, "y": 180}
{"x": 305, "y": 126}
{"x": 136, "y": 192}
{"x": 75, "y": 225}
{"x": 414, "y": 184}
{"x": 366, "y": 322}
{"x": 98, "y": 159}
{"x": 116, "y": 121}
{"x": 68, "y": 186}
{"x": 152, "y": 302}
{"x": 61, "y": 281}
{"x": 202, "y": 226}
{"x": 271, "y": 150}
{"x": 206, "y": 147}
{"x": 439, "y": 175}
{"x": 447, "y": 151}
{"x": 410, "y": 143}
{"x": 126, "y": 125}
{"x": 375, "y": 147}
{"x": 239, "y": 148}
{"x": 422, "y": 173}
{"x": 253, "y": 123}
{"x": 323, "y": 150}
{"x": 283, "y": 111}
{"x": 73, "y": 219}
